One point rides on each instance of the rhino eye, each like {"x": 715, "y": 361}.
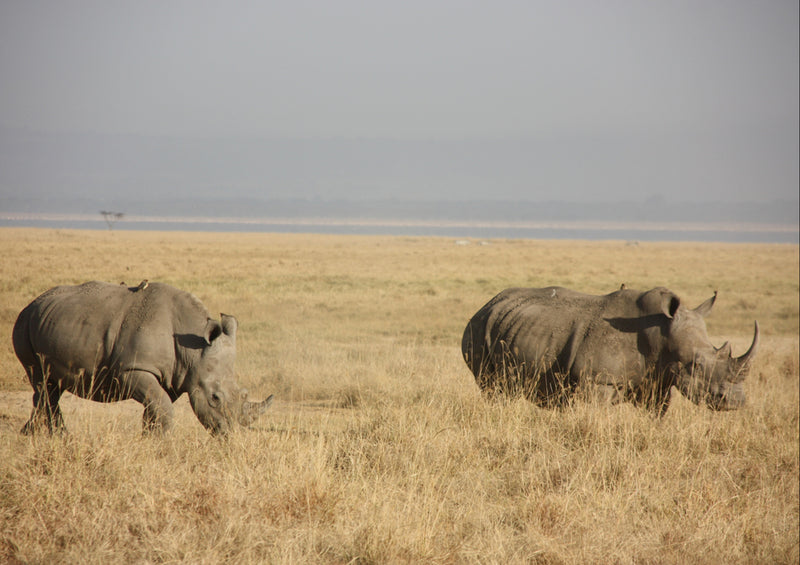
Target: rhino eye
{"x": 215, "y": 400}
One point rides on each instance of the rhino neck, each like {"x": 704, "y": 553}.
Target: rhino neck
{"x": 188, "y": 323}
{"x": 652, "y": 343}
{"x": 188, "y": 350}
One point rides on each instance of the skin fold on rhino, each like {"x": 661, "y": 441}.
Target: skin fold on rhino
{"x": 152, "y": 343}
{"x": 548, "y": 343}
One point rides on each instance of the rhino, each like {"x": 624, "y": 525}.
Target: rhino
{"x": 152, "y": 343}
{"x": 549, "y": 343}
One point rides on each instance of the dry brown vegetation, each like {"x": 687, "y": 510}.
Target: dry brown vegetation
{"x": 380, "y": 448}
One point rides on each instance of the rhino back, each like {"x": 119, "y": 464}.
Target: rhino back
{"x": 560, "y": 330}
{"x": 539, "y": 325}
{"x": 101, "y": 324}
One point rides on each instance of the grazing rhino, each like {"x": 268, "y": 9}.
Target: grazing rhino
{"x": 547, "y": 343}
{"x": 152, "y": 343}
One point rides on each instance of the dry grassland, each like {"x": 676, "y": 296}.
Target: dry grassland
{"x": 379, "y": 448}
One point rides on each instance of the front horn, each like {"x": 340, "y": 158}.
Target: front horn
{"x": 747, "y": 358}
{"x": 252, "y": 410}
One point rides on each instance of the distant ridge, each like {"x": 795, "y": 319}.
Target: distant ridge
{"x": 613, "y": 175}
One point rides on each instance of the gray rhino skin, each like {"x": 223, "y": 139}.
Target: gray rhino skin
{"x": 109, "y": 342}
{"x": 547, "y": 343}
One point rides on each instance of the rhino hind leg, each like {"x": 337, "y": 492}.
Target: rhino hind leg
{"x": 46, "y": 414}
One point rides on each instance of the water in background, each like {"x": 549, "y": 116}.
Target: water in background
{"x": 594, "y": 232}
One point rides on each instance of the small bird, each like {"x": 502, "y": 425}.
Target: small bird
{"x": 554, "y": 294}
{"x": 622, "y": 286}
{"x": 142, "y": 285}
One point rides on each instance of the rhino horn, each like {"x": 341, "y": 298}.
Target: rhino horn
{"x": 252, "y": 410}
{"x": 744, "y": 361}
{"x": 725, "y": 350}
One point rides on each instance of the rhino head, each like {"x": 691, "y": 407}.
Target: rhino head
{"x": 215, "y": 395}
{"x": 702, "y": 372}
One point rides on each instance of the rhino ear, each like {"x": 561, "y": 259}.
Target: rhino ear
{"x": 212, "y": 331}
{"x": 229, "y": 325}
{"x": 705, "y": 308}
{"x": 669, "y": 304}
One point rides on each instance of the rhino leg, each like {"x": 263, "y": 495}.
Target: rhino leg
{"x": 601, "y": 393}
{"x": 46, "y": 410}
{"x": 145, "y": 389}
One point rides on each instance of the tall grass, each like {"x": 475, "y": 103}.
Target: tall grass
{"x": 380, "y": 448}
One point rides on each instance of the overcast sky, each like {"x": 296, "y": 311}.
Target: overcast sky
{"x": 695, "y": 99}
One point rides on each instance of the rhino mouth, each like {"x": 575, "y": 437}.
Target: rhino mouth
{"x": 216, "y": 430}
{"x": 729, "y": 398}
{"x": 213, "y": 419}
{"x": 219, "y": 418}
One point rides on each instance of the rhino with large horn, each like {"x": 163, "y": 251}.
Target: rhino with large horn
{"x": 548, "y": 342}
{"x": 152, "y": 342}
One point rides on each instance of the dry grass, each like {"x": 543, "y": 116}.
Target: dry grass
{"x": 379, "y": 448}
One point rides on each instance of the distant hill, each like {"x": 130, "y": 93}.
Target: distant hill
{"x": 749, "y": 176}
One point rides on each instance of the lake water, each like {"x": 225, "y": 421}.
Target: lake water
{"x": 596, "y": 231}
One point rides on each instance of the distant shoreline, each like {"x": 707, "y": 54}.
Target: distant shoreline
{"x": 590, "y": 230}
{"x": 598, "y": 225}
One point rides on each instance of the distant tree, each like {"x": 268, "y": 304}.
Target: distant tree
{"x": 111, "y": 217}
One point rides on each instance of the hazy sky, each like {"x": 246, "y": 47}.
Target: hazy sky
{"x": 554, "y": 98}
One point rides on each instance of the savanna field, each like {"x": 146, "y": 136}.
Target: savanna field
{"x": 379, "y": 447}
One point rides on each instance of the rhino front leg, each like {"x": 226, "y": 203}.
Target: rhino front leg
{"x": 145, "y": 389}
{"x": 603, "y": 393}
